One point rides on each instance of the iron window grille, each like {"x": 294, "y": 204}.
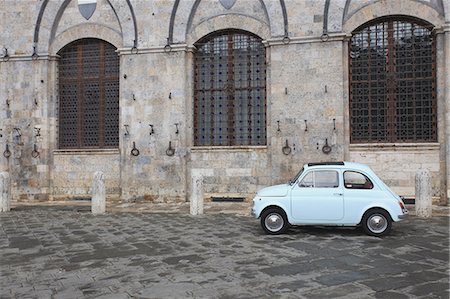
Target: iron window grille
{"x": 230, "y": 90}
{"x": 88, "y": 95}
{"x": 393, "y": 82}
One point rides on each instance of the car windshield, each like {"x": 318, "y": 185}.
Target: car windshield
{"x": 296, "y": 176}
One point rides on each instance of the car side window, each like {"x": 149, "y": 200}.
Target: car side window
{"x": 308, "y": 180}
{"x": 320, "y": 179}
{"x": 356, "y": 180}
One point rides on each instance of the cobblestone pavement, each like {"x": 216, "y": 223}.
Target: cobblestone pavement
{"x": 66, "y": 252}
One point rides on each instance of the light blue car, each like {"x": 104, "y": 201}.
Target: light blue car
{"x": 330, "y": 194}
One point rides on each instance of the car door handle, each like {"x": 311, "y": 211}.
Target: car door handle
{"x": 338, "y": 194}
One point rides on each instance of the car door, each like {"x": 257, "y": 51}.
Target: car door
{"x": 359, "y": 192}
{"x": 318, "y": 197}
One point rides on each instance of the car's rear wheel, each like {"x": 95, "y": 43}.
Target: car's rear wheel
{"x": 274, "y": 221}
{"x": 377, "y": 223}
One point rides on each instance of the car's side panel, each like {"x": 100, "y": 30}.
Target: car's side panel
{"x": 262, "y": 203}
{"x": 317, "y": 204}
{"x": 356, "y": 202}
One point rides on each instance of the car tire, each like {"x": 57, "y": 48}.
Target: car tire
{"x": 274, "y": 221}
{"x": 376, "y": 222}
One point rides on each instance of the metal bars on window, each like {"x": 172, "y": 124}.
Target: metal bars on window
{"x": 230, "y": 90}
{"x": 393, "y": 82}
{"x": 88, "y": 95}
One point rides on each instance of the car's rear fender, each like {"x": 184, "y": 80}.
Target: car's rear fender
{"x": 376, "y": 207}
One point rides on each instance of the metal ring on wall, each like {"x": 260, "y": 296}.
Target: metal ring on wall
{"x": 326, "y": 149}
{"x": 170, "y": 150}
{"x": 5, "y": 56}
{"x": 7, "y": 152}
{"x": 286, "y": 40}
{"x": 167, "y": 48}
{"x": 35, "y": 152}
{"x": 286, "y": 149}
{"x": 325, "y": 37}
{"x": 134, "y": 151}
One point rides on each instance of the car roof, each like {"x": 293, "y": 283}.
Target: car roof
{"x": 341, "y": 165}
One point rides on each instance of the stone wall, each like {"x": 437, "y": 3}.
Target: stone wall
{"x": 72, "y": 174}
{"x": 397, "y": 164}
{"x": 307, "y": 96}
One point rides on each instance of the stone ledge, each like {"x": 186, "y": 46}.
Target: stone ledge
{"x": 86, "y": 152}
{"x": 394, "y": 146}
{"x": 205, "y": 149}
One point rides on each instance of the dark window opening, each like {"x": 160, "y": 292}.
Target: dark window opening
{"x": 356, "y": 180}
{"x": 88, "y": 95}
{"x": 230, "y": 90}
{"x": 393, "y": 82}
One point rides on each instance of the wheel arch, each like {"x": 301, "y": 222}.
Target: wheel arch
{"x": 273, "y": 207}
{"x": 372, "y": 209}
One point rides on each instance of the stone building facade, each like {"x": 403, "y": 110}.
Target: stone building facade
{"x": 242, "y": 92}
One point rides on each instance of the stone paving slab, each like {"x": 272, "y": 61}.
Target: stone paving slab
{"x": 54, "y": 251}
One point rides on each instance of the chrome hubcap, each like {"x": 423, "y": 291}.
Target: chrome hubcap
{"x": 377, "y": 223}
{"x": 274, "y": 222}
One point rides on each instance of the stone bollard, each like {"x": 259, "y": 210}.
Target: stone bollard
{"x": 5, "y": 192}
{"x": 98, "y": 194}
{"x": 423, "y": 202}
{"x": 196, "y": 206}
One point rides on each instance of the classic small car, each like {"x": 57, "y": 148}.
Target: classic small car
{"x": 330, "y": 194}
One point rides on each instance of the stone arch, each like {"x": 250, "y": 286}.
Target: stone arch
{"x": 223, "y": 22}
{"x": 333, "y": 15}
{"x": 86, "y": 31}
{"x": 355, "y": 18}
{"x": 182, "y": 25}
{"x": 51, "y": 12}
{"x": 127, "y": 20}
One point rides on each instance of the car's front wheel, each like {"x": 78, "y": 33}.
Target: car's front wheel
{"x": 377, "y": 223}
{"x": 274, "y": 221}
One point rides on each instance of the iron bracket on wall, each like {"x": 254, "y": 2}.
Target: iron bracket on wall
{"x": 152, "y": 131}
{"x": 37, "y": 132}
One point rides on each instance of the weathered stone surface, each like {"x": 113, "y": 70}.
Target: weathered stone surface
{"x": 307, "y": 79}
{"x": 65, "y": 252}
{"x": 423, "y": 202}
{"x": 98, "y": 193}
{"x": 5, "y": 192}
{"x": 196, "y": 201}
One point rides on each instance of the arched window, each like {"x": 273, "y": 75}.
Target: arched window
{"x": 230, "y": 90}
{"x": 88, "y": 95}
{"x": 392, "y": 82}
